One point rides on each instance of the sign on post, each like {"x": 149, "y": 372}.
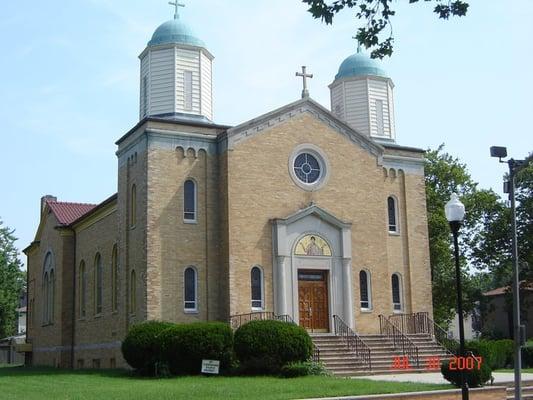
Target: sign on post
{"x": 210, "y": 366}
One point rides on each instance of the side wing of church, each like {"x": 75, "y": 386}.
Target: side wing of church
{"x": 307, "y": 213}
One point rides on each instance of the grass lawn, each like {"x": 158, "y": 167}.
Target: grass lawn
{"x": 48, "y": 383}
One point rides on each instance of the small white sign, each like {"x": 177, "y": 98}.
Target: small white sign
{"x": 210, "y": 366}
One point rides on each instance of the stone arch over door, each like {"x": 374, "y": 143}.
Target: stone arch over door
{"x": 287, "y": 235}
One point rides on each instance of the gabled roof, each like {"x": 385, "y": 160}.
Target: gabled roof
{"x": 314, "y": 210}
{"x": 66, "y": 213}
{"x": 256, "y": 125}
{"x": 528, "y": 286}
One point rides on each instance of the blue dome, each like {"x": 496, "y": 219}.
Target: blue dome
{"x": 175, "y": 31}
{"x": 360, "y": 64}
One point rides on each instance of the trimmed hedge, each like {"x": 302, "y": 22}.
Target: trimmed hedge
{"x": 305, "y": 368}
{"x": 185, "y": 346}
{"x": 142, "y": 346}
{"x": 496, "y": 353}
{"x": 474, "y": 378}
{"x": 266, "y": 346}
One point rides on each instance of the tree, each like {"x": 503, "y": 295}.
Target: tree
{"x": 377, "y": 14}
{"x": 445, "y": 175}
{"x": 12, "y": 281}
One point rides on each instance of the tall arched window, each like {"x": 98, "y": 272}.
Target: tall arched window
{"x": 48, "y": 289}
{"x": 82, "y": 289}
{"x": 365, "y": 290}
{"x": 392, "y": 211}
{"x": 114, "y": 278}
{"x": 98, "y": 283}
{"x": 133, "y": 206}
{"x": 133, "y": 292}
{"x": 396, "y": 281}
{"x": 190, "y": 303}
{"x": 189, "y": 201}
{"x": 256, "y": 280}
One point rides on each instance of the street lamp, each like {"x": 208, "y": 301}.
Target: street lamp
{"x": 514, "y": 166}
{"x": 455, "y": 212}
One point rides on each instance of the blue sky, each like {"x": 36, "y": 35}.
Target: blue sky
{"x": 69, "y": 78}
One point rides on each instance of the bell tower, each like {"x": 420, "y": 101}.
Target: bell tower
{"x": 176, "y": 73}
{"x": 362, "y": 96}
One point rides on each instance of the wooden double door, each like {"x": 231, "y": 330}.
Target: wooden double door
{"x": 313, "y": 300}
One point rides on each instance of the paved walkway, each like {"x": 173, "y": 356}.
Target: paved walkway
{"x": 436, "y": 377}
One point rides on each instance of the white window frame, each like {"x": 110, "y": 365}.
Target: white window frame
{"x": 195, "y": 301}
{"x": 368, "y": 290}
{"x": 262, "y": 287}
{"x": 400, "y": 294}
{"x": 195, "y": 202}
{"x": 396, "y": 230}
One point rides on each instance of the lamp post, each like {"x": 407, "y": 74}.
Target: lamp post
{"x": 455, "y": 212}
{"x": 514, "y": 166}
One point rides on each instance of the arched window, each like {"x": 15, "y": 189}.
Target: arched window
{"x": 133, "y": 292}
{"x": 82, "y": 289}
{"x": 189, "y": 201}
{"x": 256, "y": 279}
{"x": 365, "y": 290}
{"x": 396, "y": 292}
{"x": 48, "y": 289}
{"x": 98, "y": 284}
{"x": 133, "y": 206}
{"x": 114, "y": 278}
{"x": 392, "y": 211}
{"x": 190, "y": 296}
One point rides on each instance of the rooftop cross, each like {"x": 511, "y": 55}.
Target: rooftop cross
{"x": 358, "y": 44}
{"x": 304, "y": 75}
{"x": 176, "y": 4}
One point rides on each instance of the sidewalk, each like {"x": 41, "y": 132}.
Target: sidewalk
{"x": 436, "y": 377}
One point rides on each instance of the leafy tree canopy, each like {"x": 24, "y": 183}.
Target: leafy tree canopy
{"x": 11, "y": 281}
{"x": 377, "y": 14}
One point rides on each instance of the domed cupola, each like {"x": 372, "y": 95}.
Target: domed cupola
{"x": 176, "y": 73}
{"x": 362, "y": 96}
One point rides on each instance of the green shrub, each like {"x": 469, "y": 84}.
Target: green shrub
{"x": 474, "y": 378}
{"x": 266, "y": 346}
{"x": 527, "y": 356}
{"x": 295, "y": 369}
{"x": 496, "y": 353}
{"x": 141, "y": 347}
{"x": 186, "y": 345}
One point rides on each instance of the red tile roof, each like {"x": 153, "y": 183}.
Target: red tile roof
{"x": 503, "y": 290}
{"x": 66, "y": 213}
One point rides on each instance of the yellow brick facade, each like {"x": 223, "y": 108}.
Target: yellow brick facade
{"x": 243, "y": 185}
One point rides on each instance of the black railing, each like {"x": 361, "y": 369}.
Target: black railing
{"x": 399, "y": 340}
{"x": 421, "y": 323}
{"x": 238, "y": 320}
{"x": 353, "y": 341}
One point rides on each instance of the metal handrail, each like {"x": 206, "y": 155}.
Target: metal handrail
{"x": 399, "y": 340}
{"x": 420, "y": 322}
{"x": 238, "y": 320}
{"x": 353, "y": 341}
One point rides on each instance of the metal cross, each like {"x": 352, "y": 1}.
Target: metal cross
{"x": 304, "y": 75}
{"x": 176, "y": 4}
{"x": 358, "y": 44}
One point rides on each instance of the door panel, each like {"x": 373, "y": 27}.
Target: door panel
{"x": 313, "y": 300}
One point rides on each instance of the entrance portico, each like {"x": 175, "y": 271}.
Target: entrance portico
{"x": 312, "y": 271}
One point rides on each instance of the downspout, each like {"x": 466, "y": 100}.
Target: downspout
{"x": 206, "y": 242}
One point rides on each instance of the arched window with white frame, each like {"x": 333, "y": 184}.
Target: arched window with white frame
{"x": 189, "y": 201}
{"x": 365, "y": 290}
{"x": 190, "y": 293}
{"x": 257, "y": 292}
{"x": 392, "y": 210}
{"x": 397, "y": 292}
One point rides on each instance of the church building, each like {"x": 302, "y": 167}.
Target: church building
{"x": 309, "y": 212}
